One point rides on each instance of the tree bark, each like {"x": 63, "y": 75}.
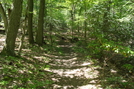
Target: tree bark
{"x": 30, "y": 21}
{"x": 13, "y": 28}
{"x": 4, "y": 17}
{"x": 39, "y": 34}
{"x": 85, "y": 22}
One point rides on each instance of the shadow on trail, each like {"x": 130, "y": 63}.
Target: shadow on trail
{"x": 61, "y": 68}
{"x": 71, "y": 71}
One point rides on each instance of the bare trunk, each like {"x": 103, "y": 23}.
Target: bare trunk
{"x": 30, "y": 21}
{"x": 4, "y": 17}
{"x": 39, "y": 35}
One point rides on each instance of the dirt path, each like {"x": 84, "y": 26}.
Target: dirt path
{"x": 71, "y": 72}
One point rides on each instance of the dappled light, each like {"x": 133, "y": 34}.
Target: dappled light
{"x": 2, "y": 40}
{"x": 66, "y": 44}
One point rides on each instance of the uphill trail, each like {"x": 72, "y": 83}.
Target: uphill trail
{"x": 59, "y": 66}
{"x": 71, "y": 71}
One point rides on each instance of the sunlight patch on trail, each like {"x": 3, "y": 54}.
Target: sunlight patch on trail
{"x": 81, "y": 74}
{"x": 89, "y": 87}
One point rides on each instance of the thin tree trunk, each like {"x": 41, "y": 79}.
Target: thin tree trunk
{"x": 23, "y": 29}
{"x": 22, "y": 41}
{"x": 30, "y": 21}
{"x": 85, "y": 22}
{"x": 4, "y": 17}
{"x": 72, "y": 18}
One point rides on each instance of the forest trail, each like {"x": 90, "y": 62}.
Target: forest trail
{"x": 72, "y": 72}
{"x": 68, "y": 70}
{"x": 59, "y": 67}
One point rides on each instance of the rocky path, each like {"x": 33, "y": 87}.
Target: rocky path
{"x": 71, "y": 72}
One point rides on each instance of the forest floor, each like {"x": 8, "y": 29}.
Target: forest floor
{"x": 58, "y": 67}
{"x": 72, "y": 72}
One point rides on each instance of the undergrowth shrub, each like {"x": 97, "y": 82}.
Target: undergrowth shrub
{"x": 104, "y": 49}
{"x": 122, "y": 57}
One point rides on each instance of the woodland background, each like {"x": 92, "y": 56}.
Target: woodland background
{"x": 96, "y": 31}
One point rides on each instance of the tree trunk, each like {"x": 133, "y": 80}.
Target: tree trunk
{"x": 4, "y": 17}
{"x": 39, "y": 34}
{"x": 72, "y": 18}
{"x": 13, "y": 28}
{"x": 9, "y": 12}
{"x": 85, "y": 22}
{"x": 30, "y": 21}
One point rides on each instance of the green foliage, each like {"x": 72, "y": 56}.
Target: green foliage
{"x": 19, "y": 73}
{"x": 3, "y": 82}
{"x": 107, "y": 26}
{"x": 112, "y": 46}
{"x": 52, "y": 23}
{"x": 120, "y": 83}
{"x": 128, "y": 67}
{"x": 114, "y": 79}
{"x": 6, "y": 1}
